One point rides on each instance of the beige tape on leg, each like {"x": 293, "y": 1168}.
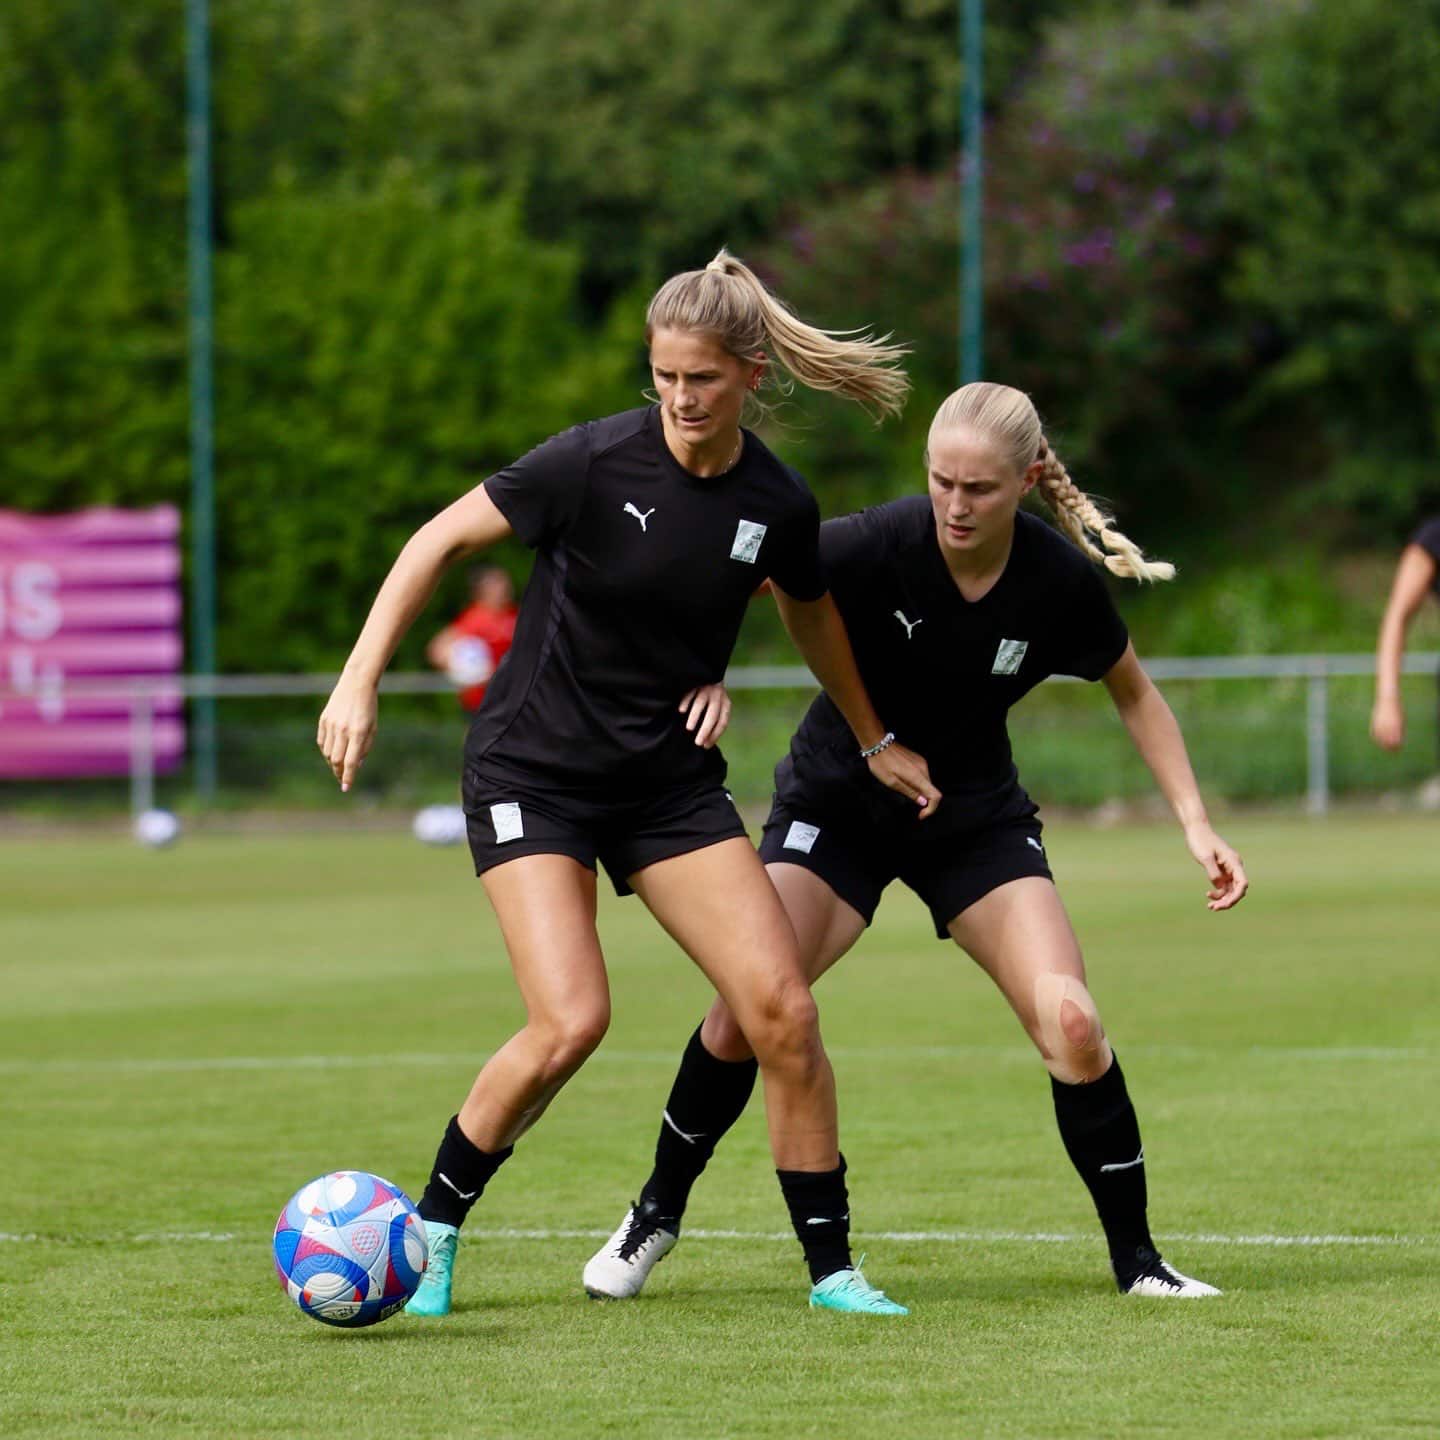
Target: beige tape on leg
{"x": 1071, "y": 1036}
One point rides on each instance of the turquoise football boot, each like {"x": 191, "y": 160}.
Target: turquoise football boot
{"x": 849, "y": 1290}
{"x": 433, "y": 1296}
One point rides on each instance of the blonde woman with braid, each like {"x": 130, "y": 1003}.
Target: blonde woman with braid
{"x": 594, "y": 743}
{"x": 957, "y": 603}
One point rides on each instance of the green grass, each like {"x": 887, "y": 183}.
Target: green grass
{"x": 161, "y": 1011}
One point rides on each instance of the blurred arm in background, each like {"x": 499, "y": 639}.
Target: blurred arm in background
{"x": 1414, "y": 576}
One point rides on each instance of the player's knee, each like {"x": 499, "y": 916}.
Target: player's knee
{"x": 1068, "y": 1030}
{"x": 570, "y": 1039}
{"x": 786, "y": 1032}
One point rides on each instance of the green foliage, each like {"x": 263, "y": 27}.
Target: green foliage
{"x": 1211, "y": 254}
{"x": 1342, "y": 161}
{"x": 92, "y": 331}
{"x": 1108, "y": 232}
{"x": 382, "y": 351}
{"x": 645, "y": 132}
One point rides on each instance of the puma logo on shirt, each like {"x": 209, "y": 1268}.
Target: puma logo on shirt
{"x": 908, "y": 624}
{"x": 631, "y": 510}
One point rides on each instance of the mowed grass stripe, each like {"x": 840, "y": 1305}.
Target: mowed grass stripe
{"x": 1010, "y": 1054}
{"x": 900, "y": 1237}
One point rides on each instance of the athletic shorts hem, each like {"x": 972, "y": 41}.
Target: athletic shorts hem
{"x": 948, "y": 872}
{"x": 508, "y": 818}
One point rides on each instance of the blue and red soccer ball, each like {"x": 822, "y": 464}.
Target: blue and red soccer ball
{"x": 350, "y": 1248}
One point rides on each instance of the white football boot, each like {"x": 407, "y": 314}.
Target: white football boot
{"x": 619, "y": 1268}
{"x": 1161, "y": 1281}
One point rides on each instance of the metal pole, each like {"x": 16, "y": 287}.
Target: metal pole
{"x": 142, "y": 753}
{"x": 202, "y": 386}
{"x": 1317, "y": 737}
{"x": 972, "y": 188}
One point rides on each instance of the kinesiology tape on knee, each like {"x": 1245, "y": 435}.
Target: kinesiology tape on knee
{"x": 1071, "y": 1036}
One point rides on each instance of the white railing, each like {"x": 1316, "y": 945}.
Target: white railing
{"x": 142, "y": 697}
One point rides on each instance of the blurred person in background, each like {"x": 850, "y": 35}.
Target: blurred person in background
{"x": 652, "y": 529}
{"x": 958, "y": 604}
{"x": 1417, "y": 574}
{"x": 471, "y": 647}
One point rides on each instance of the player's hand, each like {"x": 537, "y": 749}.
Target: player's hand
{"x": 1228, "y": 881}
{"x": 1387, "y": 724}
{"x": 707, "y": 713}
{"x": 347, "y": 727}
{"x": 906, "y": 773}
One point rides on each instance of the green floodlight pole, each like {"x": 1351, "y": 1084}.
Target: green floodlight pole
{"x": 972, "y": 177}
{"x": 202, "y": 386}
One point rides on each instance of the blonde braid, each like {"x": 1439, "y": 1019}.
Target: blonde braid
{"x": 1080, "y": 518}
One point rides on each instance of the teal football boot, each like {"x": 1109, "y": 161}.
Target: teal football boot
{"x": 433, "y": 1296}
{"x": 849, "y": 1290}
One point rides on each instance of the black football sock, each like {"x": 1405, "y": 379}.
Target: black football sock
{"x": 460, "y": 1174}
{"x": 820, "y": 1212}
{"x": 1102, "y": 1137}
{"x": 707, "y": 1098}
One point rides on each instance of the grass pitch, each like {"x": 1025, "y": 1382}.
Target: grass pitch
{"x": 185, "y": 1037}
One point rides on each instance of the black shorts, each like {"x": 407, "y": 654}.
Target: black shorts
{"x": 976, "y": 845}
{"x": 623, "y": 827}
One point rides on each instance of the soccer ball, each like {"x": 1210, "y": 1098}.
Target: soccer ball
{"x": 156, "y": 829}
{"x": 350, "y": 1248}
{"x": 439, "y": 825}
{"x": 471, "y": 662}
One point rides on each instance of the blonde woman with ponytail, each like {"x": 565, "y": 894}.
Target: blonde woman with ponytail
{"x": 595, "y": 741}
{"x": 957, "y": 603}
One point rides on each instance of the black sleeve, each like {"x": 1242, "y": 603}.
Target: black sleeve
{"x": 795, "y": 562}
{"x": 1092, "y": 636}
{"x": 540, "y": 493}
{"x": 1427, "y": 537}
{"x": 844, "y": 545}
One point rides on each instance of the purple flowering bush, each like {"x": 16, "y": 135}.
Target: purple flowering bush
{"x": 1110, "y": 231}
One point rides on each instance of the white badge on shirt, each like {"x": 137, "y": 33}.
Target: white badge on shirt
{"x": 748, "y": 535}
{"x": 507, "y": 822}
{"x": 1009, "y": 656}
{"x": 801, "y": 836}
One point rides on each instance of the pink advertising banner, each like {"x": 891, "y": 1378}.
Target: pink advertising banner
{"x": 91, "y": 596}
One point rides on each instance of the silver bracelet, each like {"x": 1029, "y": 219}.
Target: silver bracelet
{"x": 884, "y": 743}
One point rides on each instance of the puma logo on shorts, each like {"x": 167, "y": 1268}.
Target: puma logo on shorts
{"x": 801, "y": 836}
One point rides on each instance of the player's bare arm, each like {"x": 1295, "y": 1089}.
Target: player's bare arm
{"x": 1156, "y": 733}
{"x": 1414, "y": 576}
{"x": 347, "y": 724}
{"x": 819, "y": 634}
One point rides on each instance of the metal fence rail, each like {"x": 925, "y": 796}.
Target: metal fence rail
{"x": 143, "y": 697}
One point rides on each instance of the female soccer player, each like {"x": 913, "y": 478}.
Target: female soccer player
{"x": 1417, "y": 573}
{"x": 957, "y": 604}
{"x": 652, "y": 530}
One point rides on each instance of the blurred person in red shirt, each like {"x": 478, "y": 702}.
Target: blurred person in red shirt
{"x": 470, "y": 648}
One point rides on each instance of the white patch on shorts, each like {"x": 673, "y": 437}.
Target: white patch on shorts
{"x": 1008, "y": 656}
{"x": 507, "y": 822}
{"x": 748, "y": 535}
{"x": 801, "y": 836}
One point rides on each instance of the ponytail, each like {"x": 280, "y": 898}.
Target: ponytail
{"x": 729, "y": 301}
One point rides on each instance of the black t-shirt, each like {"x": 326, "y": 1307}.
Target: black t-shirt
{"x": 943, "y": 671}
{"x": 641, "y": 579}
{"x": 1427, "y": 537}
